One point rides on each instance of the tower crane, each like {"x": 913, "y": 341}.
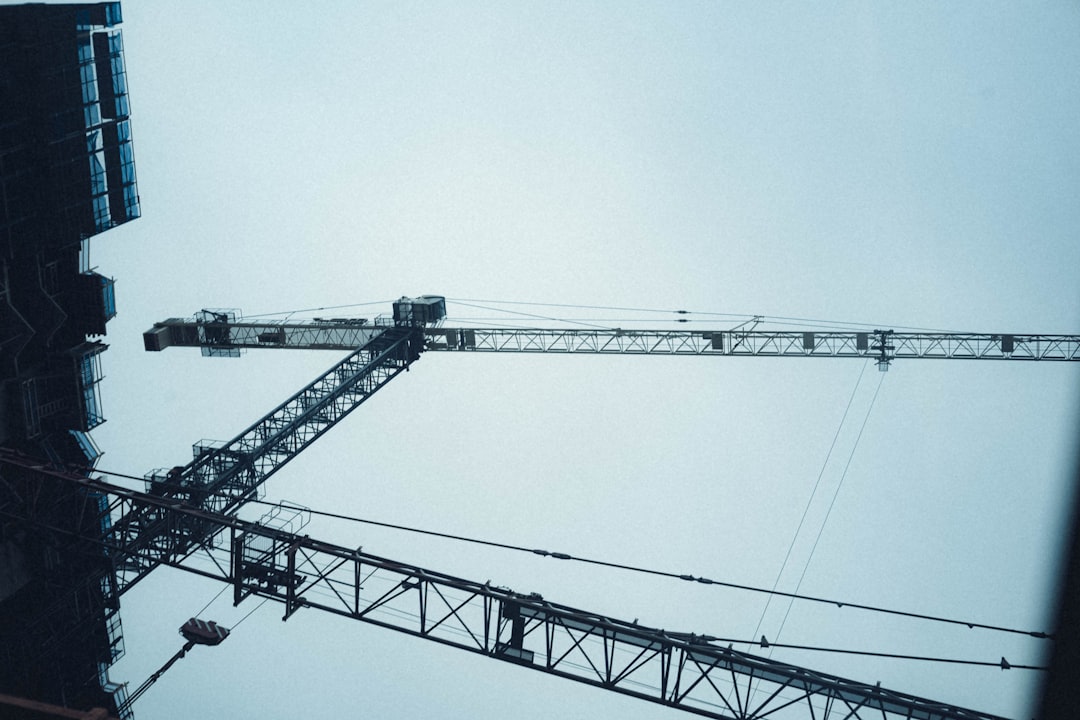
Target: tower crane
{"x": 186, "y": 512}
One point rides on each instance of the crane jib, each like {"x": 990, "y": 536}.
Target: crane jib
{"x": 222, "y": 337}
{"x": 880, "y": 345}
{"x": 686, "y": 671}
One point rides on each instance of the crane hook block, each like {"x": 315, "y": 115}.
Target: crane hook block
{"x": 203, "y": 632}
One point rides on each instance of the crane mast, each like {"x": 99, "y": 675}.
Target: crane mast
{"x": 186, "y": 510}
{"x": 222, "y": 477}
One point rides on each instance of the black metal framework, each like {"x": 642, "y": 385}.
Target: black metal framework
{"x": 222, "y": 478}
{"x": 880, "y": 345}
{"x": 219, "y": 331}
{"x": 685, "y": 671}
{"x": 224, "y": 336}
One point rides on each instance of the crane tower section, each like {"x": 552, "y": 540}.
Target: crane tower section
{"x": 223, "y": 476}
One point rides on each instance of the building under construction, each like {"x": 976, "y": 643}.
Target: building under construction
{"x": 67, "y": 174}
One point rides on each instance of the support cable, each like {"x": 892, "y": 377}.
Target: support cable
{"x": 633, "y": 568}
{"x": 707, "y": 641}
{"x": 820, "y": 325}
{"x": 1002, "y": 664}
{"x": 825, "y": 521}
{"x": 839, "y": 485}
{"x": 711, "y": 314}
{"x": 704, "y": 641}
{"x": 141, "y": 690}
{"x": 198, "y": 614}
{"x": 810, "y": 500}
{"x": 250, "y": 612}
{"x": 317, "y": 309}
{"x": 533, "y": 315}
{"x": 679, "y": 576}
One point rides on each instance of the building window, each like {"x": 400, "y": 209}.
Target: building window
{"x": 108, "y": 296}
{"x": 88, "y": 77}
{"x": 112, "y": 14}
{"x": 89, "y": 374}
{"x": 119, "y": 74}
{"x": 92, "y": 453}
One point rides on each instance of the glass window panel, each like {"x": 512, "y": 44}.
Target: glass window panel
{"x": 89, "y": 92}
{"x": 97, "y": 173}
{"x": 108, "y": 293}
{"x": 112, "y": 14}
{"x": 102, "y": 219}
{"x": 92, "y": 115}
{"x": 127, "y": 173}
{"x": 131, "y": 202}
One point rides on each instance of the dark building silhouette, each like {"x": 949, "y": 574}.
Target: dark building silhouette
{"x": 66, "y": 174}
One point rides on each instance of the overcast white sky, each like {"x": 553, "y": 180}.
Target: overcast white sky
{"x": 913, "y": 164}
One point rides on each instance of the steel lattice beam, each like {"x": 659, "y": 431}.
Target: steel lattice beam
{"x": 222, "y": 478}
{"x": 680, "y": 670}
{"x": 219, "y": 332}
{"x": 880, "y": 345}
{"x": 227, "y": 337}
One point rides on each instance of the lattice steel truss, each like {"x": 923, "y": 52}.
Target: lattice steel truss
{"x": 221, "y": 478}
{"x": 685, "y": 671}
{"x": 219, "y": 331}
{"x": 219, "y": 335}
{"x": 881, "y": 345}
